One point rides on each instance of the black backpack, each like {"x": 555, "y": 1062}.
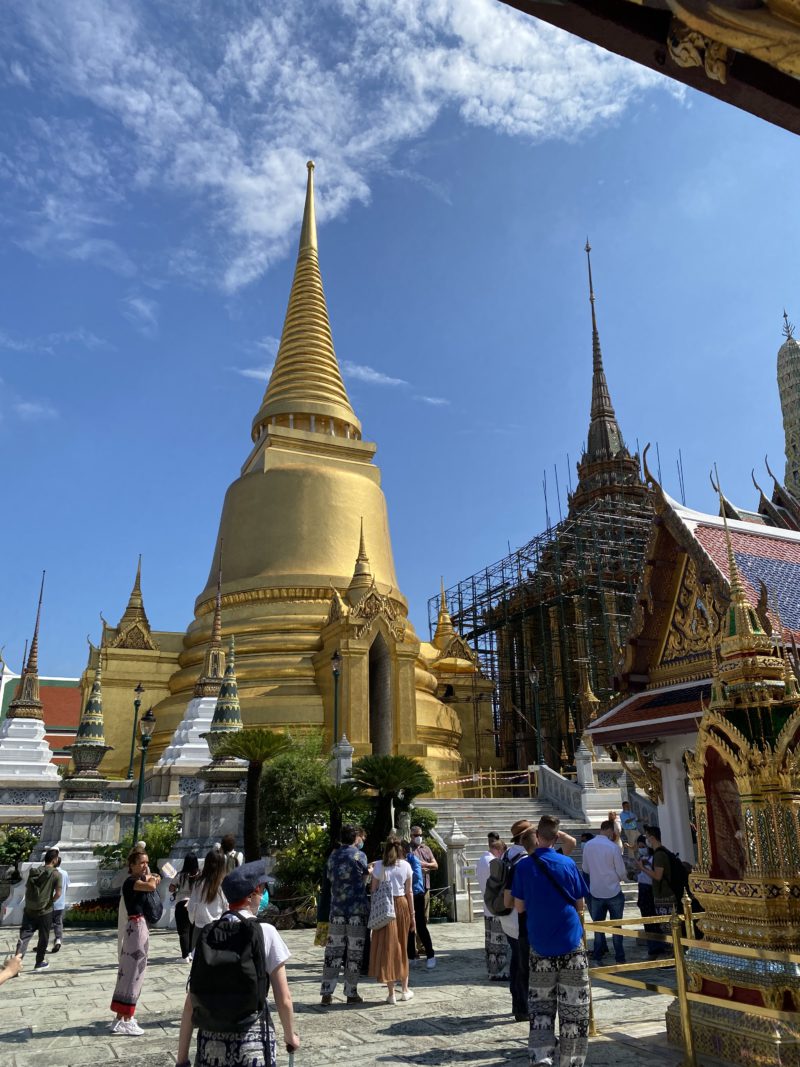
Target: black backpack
{"x": 676, "y": 874}
{"x": 496, "y": 884}
{"x": 228, "y": 982}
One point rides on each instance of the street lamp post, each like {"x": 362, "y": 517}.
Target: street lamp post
{"x": 533, "y": 675}
{"x": 137, "y": 703}
{"x": 336, "y": 668}
{"x": 146, "y": 726}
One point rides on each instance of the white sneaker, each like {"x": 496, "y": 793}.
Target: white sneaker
{"x": 408, "y": 995}
{"x": 431, "y": 963}
{"x": 129, "y": 1028}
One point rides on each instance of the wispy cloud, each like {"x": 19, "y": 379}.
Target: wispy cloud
{"x": 221, "y": 105}
{"x": 361, "y": 373}
{"x": 142, "y": 312}
{"x": 258, "y": 374}
{"x": 269, "y": 345}
{"x": 49, "y": 342}
{"x": 435, "y": 401}
{"x": 33, "y": 410}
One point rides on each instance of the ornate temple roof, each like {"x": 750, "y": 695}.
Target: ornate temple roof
{"x": 762, "y": 553}
{"x": 306, "y": 380}
{"x": 666, "y": 711}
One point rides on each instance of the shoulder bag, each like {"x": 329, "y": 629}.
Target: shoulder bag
{"x": 381, "y": 911}
{"x": 552, "y": 879}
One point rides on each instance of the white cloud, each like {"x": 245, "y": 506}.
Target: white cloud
{"x": 51, "y": 341}
{"x": 362, "y": 373}
{"x": 269, "y": 345}
{"x": 31, "y": 410}
{"x": 435, "y": 401}
{"x": 142, "y": 312}
{"x": 258, "y": 374}
{"x": 221, "y": 105}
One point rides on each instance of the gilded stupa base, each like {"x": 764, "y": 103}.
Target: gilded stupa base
{"x": 736, "y": 1037}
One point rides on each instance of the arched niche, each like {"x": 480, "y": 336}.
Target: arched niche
{"x": 381, "y": 705}
{"x": 725, "y": 824}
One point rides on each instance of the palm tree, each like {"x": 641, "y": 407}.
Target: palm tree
{"x": 395, "y": 780}
{"x": 339, "y": 801}
{"x": 257, "y": 747}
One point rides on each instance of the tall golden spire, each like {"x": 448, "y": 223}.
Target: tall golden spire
{"x": 605, "y": 437}
{"x": 210, "y": 680}
{"x": 135, "y": 612}
{"x": 445, "y": 631}
{"x": 306, "y": 382}
{"x": 362, "y": 573}
{"x": 26, "y": 704}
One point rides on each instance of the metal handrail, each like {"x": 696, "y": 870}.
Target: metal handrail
{"x": 614, "y": 975}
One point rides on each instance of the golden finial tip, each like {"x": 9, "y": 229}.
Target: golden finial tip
{"x": 310, "y": 164}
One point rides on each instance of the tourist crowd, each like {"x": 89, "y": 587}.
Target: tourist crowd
{"x": 376, "y": 922}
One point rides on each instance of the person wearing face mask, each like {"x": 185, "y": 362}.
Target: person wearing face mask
{"x": 427, "y": 862}
{"x": 644, "y": 901}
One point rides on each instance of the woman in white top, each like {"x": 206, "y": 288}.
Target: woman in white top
{"x": 388, "y": 954}
{"x": 181, "y": 889}
{"x": 207, "y": 901}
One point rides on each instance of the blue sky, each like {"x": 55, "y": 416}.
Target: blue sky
{"x": 152, "y": 169}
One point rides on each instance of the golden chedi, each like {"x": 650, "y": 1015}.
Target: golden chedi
{"x": 308, "y": 567}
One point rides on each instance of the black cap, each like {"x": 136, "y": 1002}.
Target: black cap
{"x": 244, "y": 880}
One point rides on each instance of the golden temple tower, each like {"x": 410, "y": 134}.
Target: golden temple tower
{"x": 745, "y": 773}
{"x": 309, "y": 567}
{"x": 789, "y": 389}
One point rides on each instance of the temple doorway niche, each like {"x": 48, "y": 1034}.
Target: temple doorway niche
{"x": 380, "y": 697}
{"x": 725, "y": 825}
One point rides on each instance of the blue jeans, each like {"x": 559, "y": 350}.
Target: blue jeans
{"x": 613, "y": 907}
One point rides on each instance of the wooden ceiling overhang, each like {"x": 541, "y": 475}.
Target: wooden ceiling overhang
{"x": 641, "y": 30}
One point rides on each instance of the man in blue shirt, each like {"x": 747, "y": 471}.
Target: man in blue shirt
{"x": 548, "y": 891}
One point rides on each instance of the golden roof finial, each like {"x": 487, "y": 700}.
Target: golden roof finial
{"x": 32, "y": 666}
{"x": 308, "y": 231}
{"x": 216, "y": 626}
{"x": 135, "y": 612}
{"x": 306, "y": 379}
{"x": 362, "y": 574}
{"x": 445, "y": 631}
{"x": 210, "y": 680}
{"x": 26, "y": 703}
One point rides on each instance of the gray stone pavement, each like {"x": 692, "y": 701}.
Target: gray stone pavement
{"x": 62, "y": 1016}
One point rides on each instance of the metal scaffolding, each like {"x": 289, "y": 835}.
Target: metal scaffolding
{"x": 548, "y": 622}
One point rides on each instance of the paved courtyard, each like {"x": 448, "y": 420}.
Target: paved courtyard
{"x": 456, "y": 1017}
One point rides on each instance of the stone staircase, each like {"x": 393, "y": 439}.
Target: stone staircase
{"x": 476, "y": 817}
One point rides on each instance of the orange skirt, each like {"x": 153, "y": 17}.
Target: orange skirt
{"x": 388, "y": 953}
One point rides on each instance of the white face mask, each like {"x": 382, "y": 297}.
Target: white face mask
{"x": 416, "y": 840}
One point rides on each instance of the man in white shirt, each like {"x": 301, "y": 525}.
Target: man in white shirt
{"x": 602, "y": 861}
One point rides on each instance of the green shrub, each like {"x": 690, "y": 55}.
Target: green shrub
{"x": 440, "y": 907}
{"x": 159, "y": 834}
{"x": 298, "y": 866}
{"x": 425, "y": 818}
{"x": 16, "y": 845}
